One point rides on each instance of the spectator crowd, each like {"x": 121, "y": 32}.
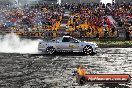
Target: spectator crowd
{"x": 84, "y": 20}
{"x": 37, "y": 20}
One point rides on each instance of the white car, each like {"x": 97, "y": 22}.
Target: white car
{"x": 67, "y": 44}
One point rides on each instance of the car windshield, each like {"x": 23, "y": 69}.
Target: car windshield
{"x": 75, "y": 39}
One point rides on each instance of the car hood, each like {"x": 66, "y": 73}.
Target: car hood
{"x": 90, "y": 43}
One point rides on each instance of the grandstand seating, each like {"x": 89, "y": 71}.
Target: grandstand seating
{"x": 45, "y": 20}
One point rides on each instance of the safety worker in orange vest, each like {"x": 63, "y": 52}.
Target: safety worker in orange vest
{"x": 80, "y": 70}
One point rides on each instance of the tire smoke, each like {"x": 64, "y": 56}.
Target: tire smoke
{"x": 12, "y": 43}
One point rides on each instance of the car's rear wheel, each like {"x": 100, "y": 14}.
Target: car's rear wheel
{"x": 88, "y": 50}
{"x": 50, "y": 50}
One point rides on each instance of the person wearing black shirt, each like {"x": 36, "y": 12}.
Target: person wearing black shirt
{"x": 127, "y": 35}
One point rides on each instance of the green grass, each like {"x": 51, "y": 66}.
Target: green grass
{"x": 111, "y": 41}
{"x": 114, "y": 42}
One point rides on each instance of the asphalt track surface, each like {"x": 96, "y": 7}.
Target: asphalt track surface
{"x": 55, "y": 71}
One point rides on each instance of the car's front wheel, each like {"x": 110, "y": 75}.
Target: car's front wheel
{"x": 88, "y": 50}
{"x": 50, "y": 50}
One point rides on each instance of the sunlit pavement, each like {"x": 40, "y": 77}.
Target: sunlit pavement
{"x": 55, "y": 71}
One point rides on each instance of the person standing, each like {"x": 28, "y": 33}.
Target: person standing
{"x": 80, "y": 70}
{"x": 97, "y": 36}
{"x": 127, "y": 35}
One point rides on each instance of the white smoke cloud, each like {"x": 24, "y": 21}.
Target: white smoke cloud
{"x": 11, "y": 43}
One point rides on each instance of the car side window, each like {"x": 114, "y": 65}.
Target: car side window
{"x": 72, "y": 40}
{"x": 65, "y": 40}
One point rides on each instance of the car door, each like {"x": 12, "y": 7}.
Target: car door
{"x": 64, "y": 45}
{"x": 73, "y": 44}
